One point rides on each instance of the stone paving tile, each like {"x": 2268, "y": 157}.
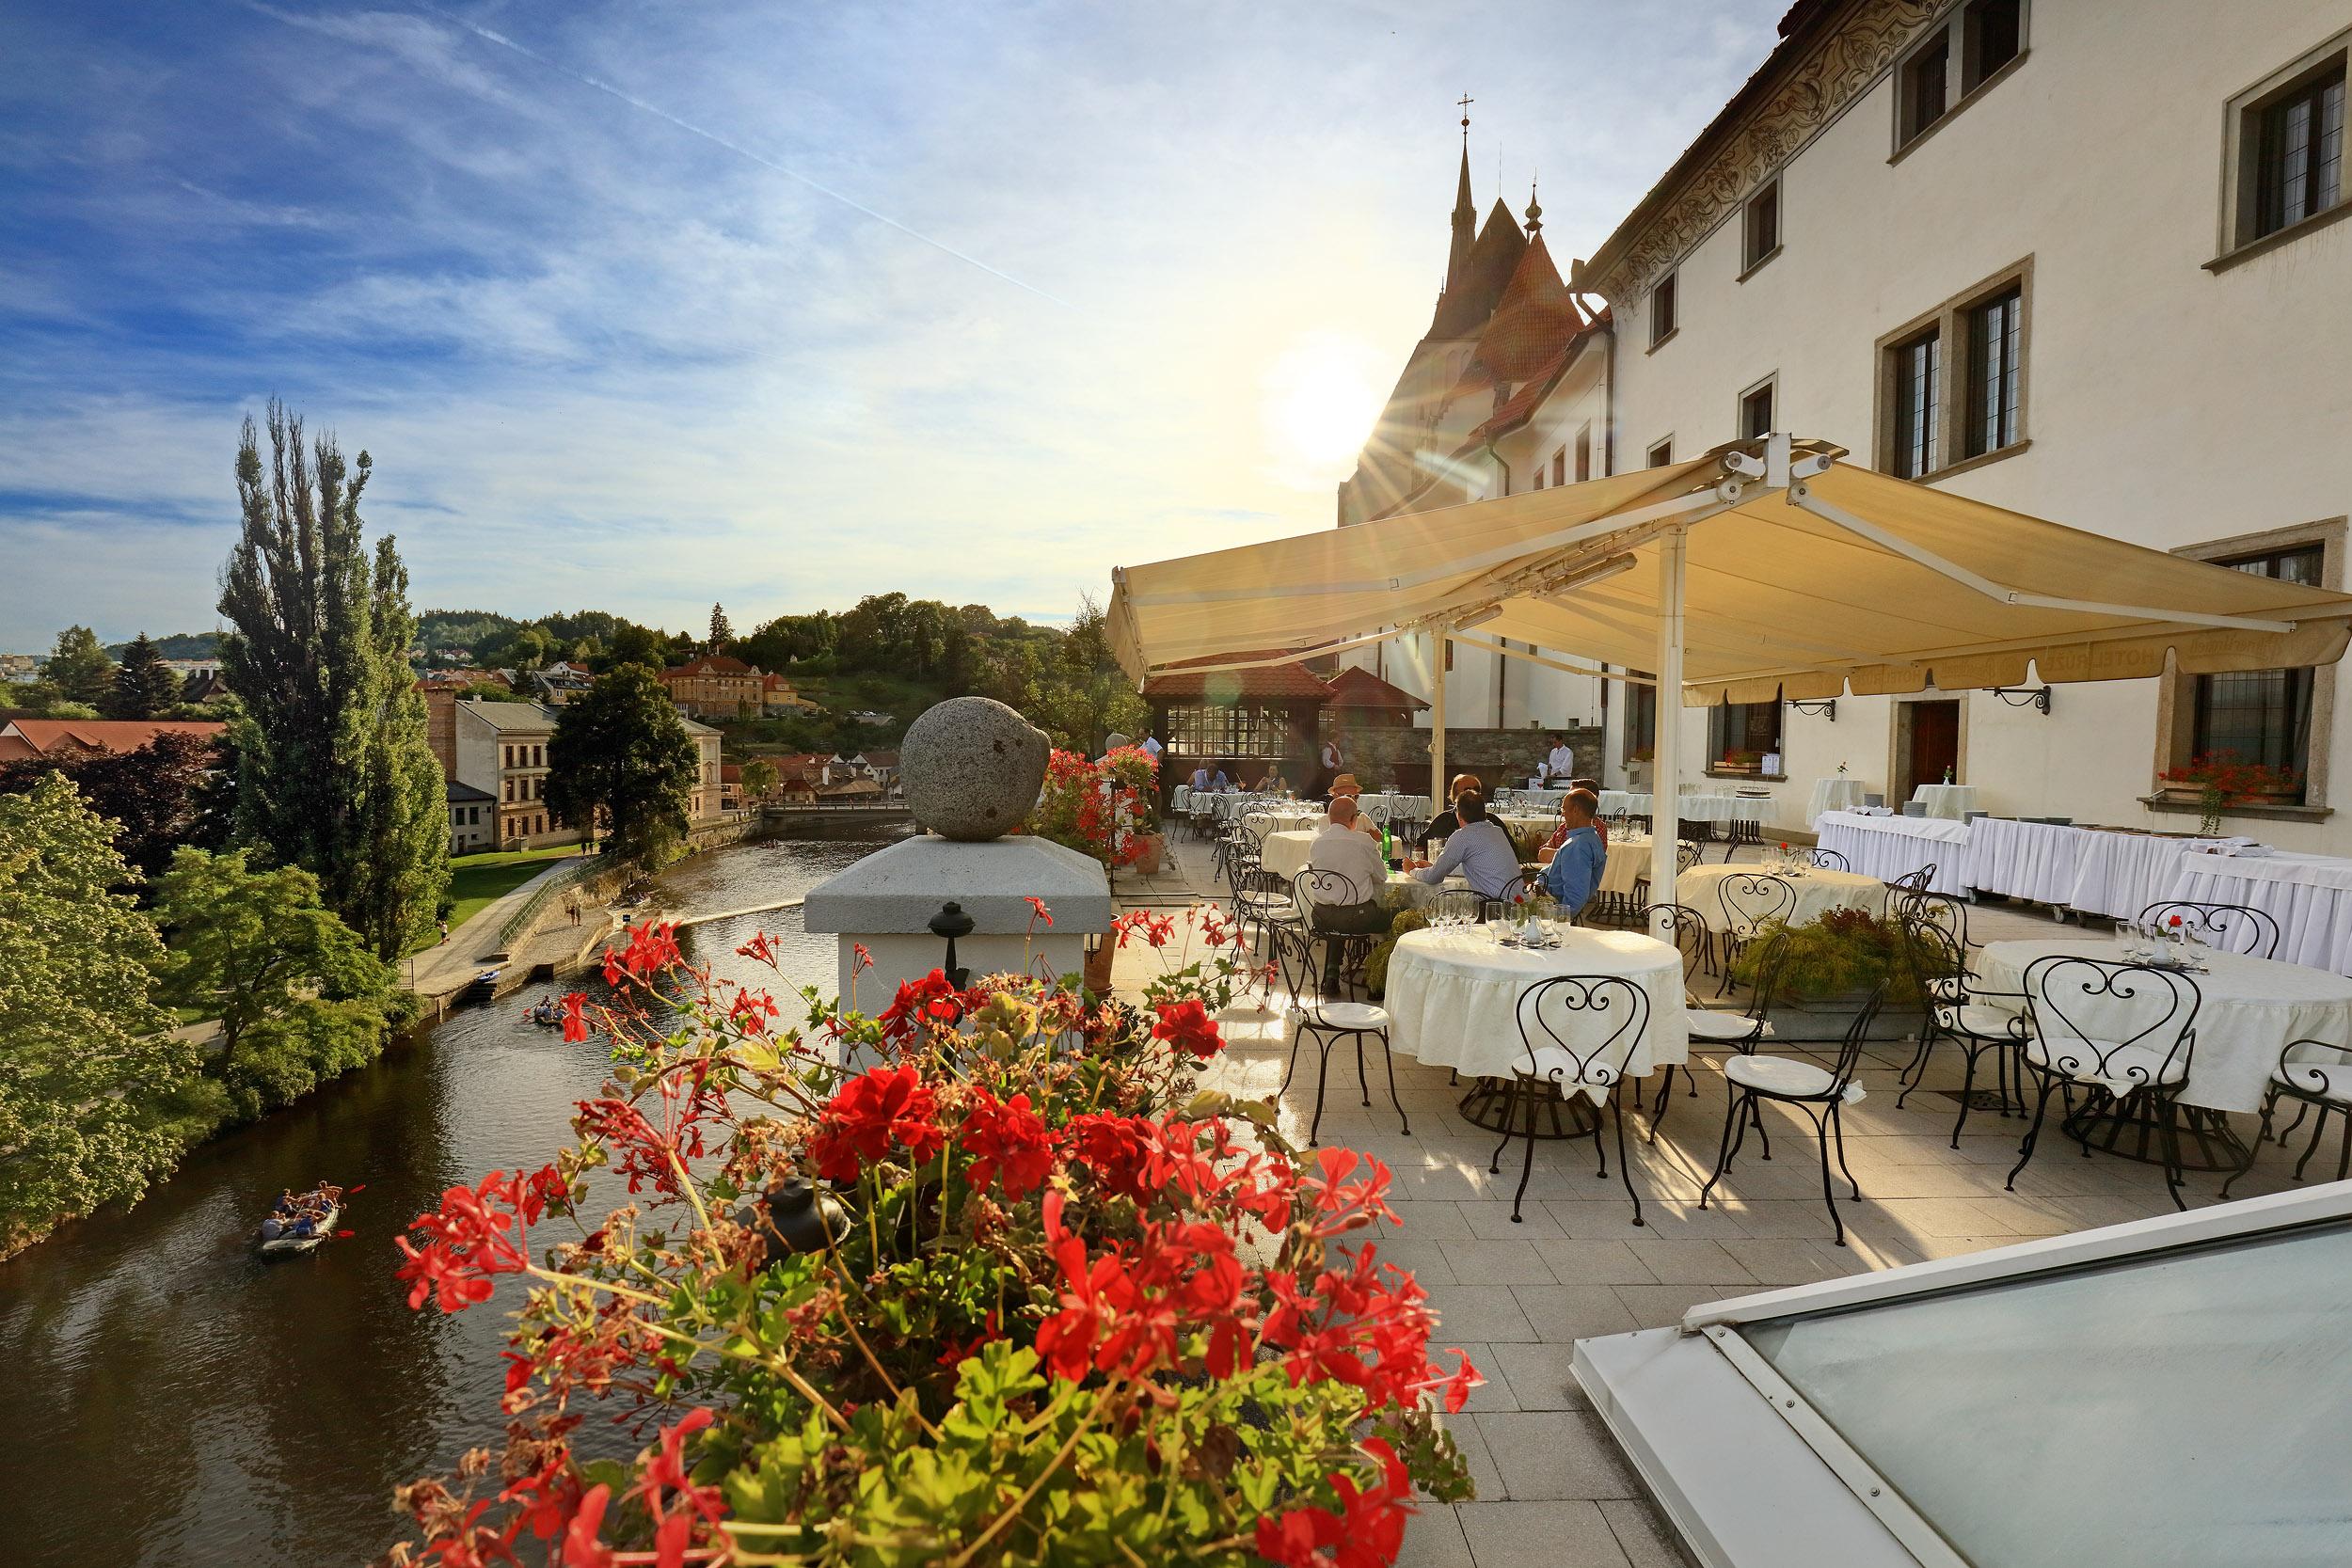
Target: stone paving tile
{"x": 1642, "y": 1535}
{"x": 1498, "y": 1392}
{"x": 1496, "y": 1264}
{"x": 1686, "y": 1261}
{"x": 1663, "y": 1306}
{"x": 1493, "y": 1221}
{"x": 1559, "y": 1313}
{"x": 1541, "y": 1376}
{"x": 1540, "y": 1535}
{"x": 1773, "y": 1261}
{"x": 1593, "y": 1262}
{"x": 1432, "y": 1539}
{"x": 1556, "y": 1455}
{"x": 1477, "y": 1453}
{"x": 1489, "y": 1312}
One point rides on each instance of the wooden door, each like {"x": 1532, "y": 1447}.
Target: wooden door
{"x": 1934, "y": 743}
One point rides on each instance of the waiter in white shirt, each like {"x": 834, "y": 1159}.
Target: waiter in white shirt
{"x": 1561, "y": 763}
{"x": 1329, "y": 764}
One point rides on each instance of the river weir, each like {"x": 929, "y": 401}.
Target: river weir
{"x": 171, "y": 1398}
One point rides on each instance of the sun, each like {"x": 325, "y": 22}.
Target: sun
{"x": 1322, "y": 394}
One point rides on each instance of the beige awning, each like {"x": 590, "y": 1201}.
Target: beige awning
{"x": 1842, "y": 581}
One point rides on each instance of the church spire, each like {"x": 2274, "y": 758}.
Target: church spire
{"x": 1465, "y": 214}
{"x": 1535, "y": 212}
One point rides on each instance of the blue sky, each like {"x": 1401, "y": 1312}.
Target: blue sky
{"x": 642, "y": 304}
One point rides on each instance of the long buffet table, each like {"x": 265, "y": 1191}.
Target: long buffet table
{"x": 2105, "y": 872}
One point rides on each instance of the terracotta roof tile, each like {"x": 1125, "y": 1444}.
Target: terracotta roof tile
{"x": 39, "y": 737}
{"x": 1358, "y": 688}
{"x": 1264, "y": 682}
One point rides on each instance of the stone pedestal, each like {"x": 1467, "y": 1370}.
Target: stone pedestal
{"x": 887, "y": 901}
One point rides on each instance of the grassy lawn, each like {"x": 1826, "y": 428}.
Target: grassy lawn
{"x": 476, "y": 880}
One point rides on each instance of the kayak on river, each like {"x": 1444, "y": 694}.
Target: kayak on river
{"x": 546, "y": 1013}
{"x": 301, "y": 1221}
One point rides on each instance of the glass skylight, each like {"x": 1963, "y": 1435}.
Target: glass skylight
{"x": 2177, "y": 1410}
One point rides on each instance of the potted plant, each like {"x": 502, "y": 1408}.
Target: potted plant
{"x": 1132, "y": 770}
{"x": 1063, "y": 1301}
{"x": 2218, "y": 780}
{"x": 1826, "y": 967}
{"x": 1740, "y": 762}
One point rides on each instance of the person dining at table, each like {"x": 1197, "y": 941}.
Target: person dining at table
{"x": 1579, "y": 857}
{"x": 1600, "y": 824}
{"x": 1342, "y": 847}
{"x": 1448, "y": 822}
{"x": 1478, "y": 848}
{"x": 1208, "y": 780}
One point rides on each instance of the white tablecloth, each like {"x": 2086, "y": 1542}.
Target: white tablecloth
{"x": 1452, "y": 996}
{"x": 1835, "y": 794}
{"x": 1180, "y": 800}
{"x": 1818, "y": 892}
{"x": 1954, "y": 801}
{"x": 1892, "y": 847}
{"x": 2249, "y": 1009}
{"x": 1628, "y": 862}
{"x": 1722, "y": 807}
{"x": 1633, "y": 802}
{"x": 1533, "y": 797}
{"x": 1416, "y": 892}
{"x": 1285, "y": 854}
{"x": 1388, "y": 804}
{"x": 2122, "y": 874}
{"x": 2308, "y": 896}
{"x": 1263, "y": 822}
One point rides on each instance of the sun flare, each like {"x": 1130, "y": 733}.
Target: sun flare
{"x": 1322, "y": 394}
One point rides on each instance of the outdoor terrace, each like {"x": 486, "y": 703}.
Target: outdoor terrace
{"x": 1554, "y": 1491}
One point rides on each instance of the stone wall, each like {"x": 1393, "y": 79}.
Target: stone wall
{"x": 1381, "y": 757}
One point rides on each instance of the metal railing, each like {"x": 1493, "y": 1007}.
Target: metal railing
{"x": 519, "y": 923}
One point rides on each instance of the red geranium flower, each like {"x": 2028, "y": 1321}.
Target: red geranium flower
{"x": 1188, "y": 1027}
{"x": 868, "y": 1114}
{"x": 1009, "y": 1144}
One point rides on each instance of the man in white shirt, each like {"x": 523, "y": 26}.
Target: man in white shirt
{"x": 1151, "y": 745}
{"x": 1561, "y": 763}
{"x": 1342, "y": 885}
{"x": 1329, "y": 764}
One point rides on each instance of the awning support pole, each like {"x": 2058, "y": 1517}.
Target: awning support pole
{"x": 1666, "y": 783}
{"x": 1439, "y": 633}
{"x": 1598, "y": 672}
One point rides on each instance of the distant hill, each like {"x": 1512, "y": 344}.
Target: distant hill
{"x": 180, "y": 644}
{"x": 462, "y": 628}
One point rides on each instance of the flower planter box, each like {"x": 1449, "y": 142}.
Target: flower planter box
{"x": 1154, "y": 846}
{"x": 1826, "y": 1019}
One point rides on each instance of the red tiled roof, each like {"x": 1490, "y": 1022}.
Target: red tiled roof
{"x": 1536, "y": 319}
{"x": 1355, "y": 687}
{"x": 1266, "y": 681}
{"x": 1465, "y": 306}
{"x": 105, "y": 735}
{"x": 709, "y": 664}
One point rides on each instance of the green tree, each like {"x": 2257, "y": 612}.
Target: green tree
{"x": 759, "y": 779}
{"x": 334, "y": 773}
{"x": 166, "y": 794}
{"x": 621, "y": 752}
{"x": 144, "y": 685}
{"x": 299, "y": 996}
{"x": 722, "y": 633}
{"x": 97, "y": 1097}
{"x": 631, "y": 643}
{"x": 79, "y": 668}
{"x": 1083, "y": 695}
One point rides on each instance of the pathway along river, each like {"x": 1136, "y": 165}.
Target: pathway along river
{"x": 166, "y": 1398}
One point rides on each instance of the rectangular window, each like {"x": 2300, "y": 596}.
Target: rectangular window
{"x": 1918, "y": 369}
{"x": 1920, "y": 94}
{"x": 1992, "y": 34}
{"x": 1995, "y": 344}
{"x": 2298, "y": 152}
{"x": 1449, "y": 654}
{"x": 1560, "y": 467}
{"x": 1755, "y": 411}
{"x": 1640, "y": 721}
{"x": 1583, "y": 454}
{"x": 1662, "y": 320}
{"x": 1760, "y": 228}
{"x": 1662, "y": 453}
{"x": 2262, "y": 715}
{"x": 1743, "y": 734}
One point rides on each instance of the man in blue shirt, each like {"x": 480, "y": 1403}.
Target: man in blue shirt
{"x": 1577, "y": 866}
{"x": 1479, "y": 847}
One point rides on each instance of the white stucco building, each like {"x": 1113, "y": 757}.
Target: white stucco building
{"x": 2072, "y": 257}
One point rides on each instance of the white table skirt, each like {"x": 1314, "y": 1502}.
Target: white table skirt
{"x": 1628, "y": 862}
{"x": 2308, "y": 896}
{"x": 2041, "y": 861}
{"x": 2123, "y": 873}
{"x": 1722, "y": 807}
{"x": 1265, "y": 822}
{"x": 1833, "y": 793}
{"x": 2249, "y": 1008}
{"x": 1818, "y": 892}
{"x": 1888, "y": 847}
{"x": 1952, "y": 801}
{"x": 1452, "y": 996}
{"x": 1285, "y": 854}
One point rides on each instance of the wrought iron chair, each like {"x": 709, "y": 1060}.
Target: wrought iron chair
{"x": 1330, "y": 1021}
{"x": 1344, "y": 950}
{"x": 1750, "y": 901}
{"x": 1940, "y": 966}
{"x": 1687, "y": 855}
{"x": 1577, "y": 1033}
{"x": 2319, "y": 1075}
{"x": 1490, "y": 906}
{"x": 1743, "y": 1031}
{"x": 2124, "y": 1032}
{"x": 1825, "y": 860}
{"x": 2224, "y": 928}
{"x": 1740, "y": 830}
{"x": 1820, "y": 1092}
{"x": 1911, "y": 881}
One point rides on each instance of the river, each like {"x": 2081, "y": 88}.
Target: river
{"x": 166, "y": 1398}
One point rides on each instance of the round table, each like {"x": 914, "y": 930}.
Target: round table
{"x": 1833, "y": 793}
{"x": 1410, "y": 891}
{"x": 2247, "y": 1012}
{"x": 1818, "y": 891}
{"x": 1952, "y": 801}
{"x": 1285, "y": 853}
{"x": 1453, "y": 1001}
{"x": 1629, "y": 802}
{"x": 1284, "y": 820}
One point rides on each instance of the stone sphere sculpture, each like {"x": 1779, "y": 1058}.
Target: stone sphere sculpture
{"x": 972, "y": 769}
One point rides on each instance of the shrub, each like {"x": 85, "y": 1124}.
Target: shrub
{"x": 1843, "y": 952}
{"x": 1073, "y": 1309}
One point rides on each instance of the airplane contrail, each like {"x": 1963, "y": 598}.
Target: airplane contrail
{"x": 489, "y": 36}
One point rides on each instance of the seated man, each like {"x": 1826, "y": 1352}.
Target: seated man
{"x": 1342, "y": 850}
{"x": 1600, "y": 824}
{"x": 1446, "y": 823}
{"x": 1274, "y": 783}
{"x": 1574, "y": 874}
{"x": 1202, "y": 779}
{"x": 1479, "y": 849}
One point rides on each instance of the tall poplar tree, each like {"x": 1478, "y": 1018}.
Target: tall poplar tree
{"x": 334, "y": 772}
